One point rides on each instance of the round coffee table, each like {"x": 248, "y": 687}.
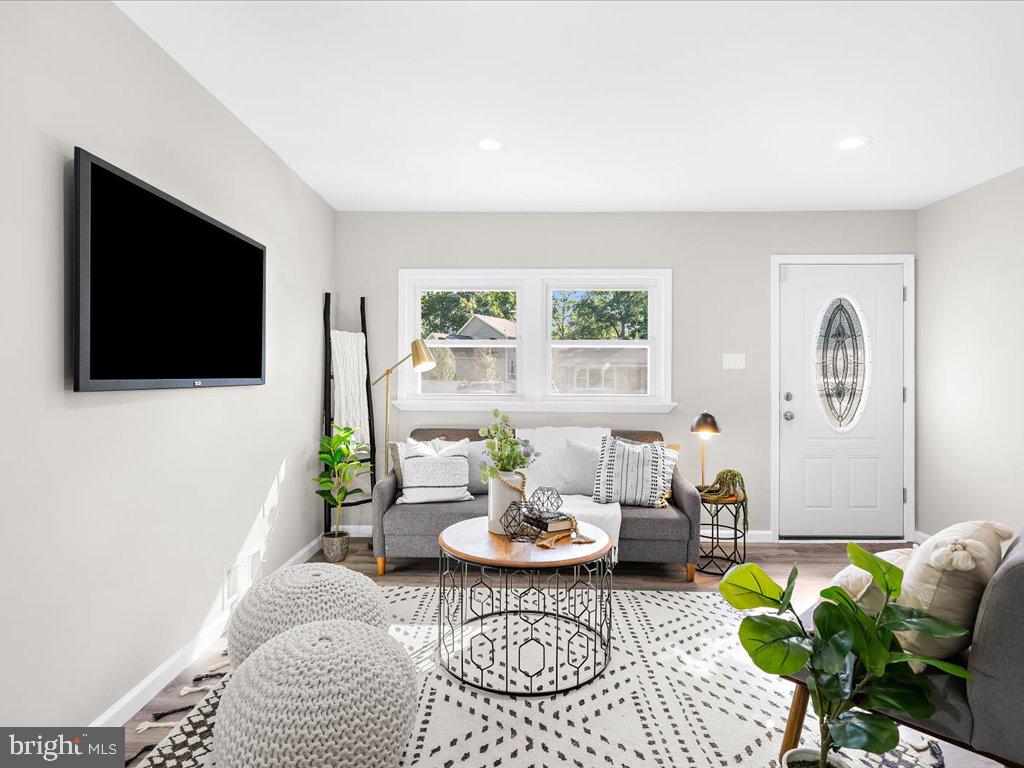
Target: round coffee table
{"x": 519, "y": 619}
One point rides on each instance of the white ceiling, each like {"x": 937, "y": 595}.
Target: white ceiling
{"x": 615, "y": 106}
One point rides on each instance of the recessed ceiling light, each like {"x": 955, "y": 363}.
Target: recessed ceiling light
{"x": 853, "y": 142}
{"x": 490, "y": 144}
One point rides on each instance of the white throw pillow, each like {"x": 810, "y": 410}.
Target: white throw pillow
{"x": 861, "y": 587}
{"x": 477, "y": 455}
{"x": 434, "y": 471}
{"x": 579, "y": 469}
{"x": 548, "y": 469}
{"x": 630, "y": 473}
{"x": 671, "y": 459}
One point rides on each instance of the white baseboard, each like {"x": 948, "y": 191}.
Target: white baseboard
{"x": 303, "y": 554}
{"x": 760, "y": 536}
{"x": 122, "y": 710}
{"x": 920, "y": 536}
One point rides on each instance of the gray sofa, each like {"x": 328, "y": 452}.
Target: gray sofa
{"x": 663, "y": 535}
{"x": 983, "y": 714}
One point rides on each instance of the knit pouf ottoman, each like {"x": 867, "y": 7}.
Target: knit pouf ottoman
{"x": 297, "y": 595}
{"x": 328, "y": 693}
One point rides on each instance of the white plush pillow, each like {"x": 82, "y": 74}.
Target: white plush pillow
{"x": 477, "y": 455}
{"x": 946, "y": 578}
{"x": 434, "y": 471}
{"x": 859, "y": 584}
{"x": 579, "y": 469}
{"x": 549, "y": 469}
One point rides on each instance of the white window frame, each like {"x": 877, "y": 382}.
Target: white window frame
{"x": 533, "y": 337}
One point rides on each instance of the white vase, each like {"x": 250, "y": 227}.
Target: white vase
{"x": 499, "y": 497}
{"x": 806, "y": 753}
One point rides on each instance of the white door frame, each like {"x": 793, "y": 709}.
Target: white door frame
{"x": 909, "y": 409}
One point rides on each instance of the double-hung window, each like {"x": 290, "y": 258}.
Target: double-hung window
{"x": 538, "y": 339}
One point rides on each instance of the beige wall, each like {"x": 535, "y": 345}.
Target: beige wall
{"x": 720, "y": 294}
{"x": 969, "y": 435}
{"x": 120, "y": 511}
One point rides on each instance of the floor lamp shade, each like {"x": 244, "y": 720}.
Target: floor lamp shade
{"x": 422, "y": 359}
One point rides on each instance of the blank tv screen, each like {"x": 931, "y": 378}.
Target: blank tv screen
{"x": 173, "y": 298}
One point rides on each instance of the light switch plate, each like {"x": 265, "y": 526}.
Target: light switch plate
{"x": 734, "y": 362}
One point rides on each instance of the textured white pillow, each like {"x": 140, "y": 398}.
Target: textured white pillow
{"x": 671, "y": 459}
{"x": 434, "y": 471}
{"x": 946, "y": 578}
{"x": 630, "y": 473}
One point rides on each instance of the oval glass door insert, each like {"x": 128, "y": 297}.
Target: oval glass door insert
{"x": 842, "y": 363}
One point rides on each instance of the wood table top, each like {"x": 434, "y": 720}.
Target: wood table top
{"x": 471, "y": 541}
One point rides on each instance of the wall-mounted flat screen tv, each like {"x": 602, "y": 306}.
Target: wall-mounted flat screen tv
{"x": 165, "y": 296}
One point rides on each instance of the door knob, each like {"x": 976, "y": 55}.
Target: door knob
{"x": 789, "y": 415}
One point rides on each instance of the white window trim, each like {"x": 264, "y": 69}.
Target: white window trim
{"x": 533, "y": 318}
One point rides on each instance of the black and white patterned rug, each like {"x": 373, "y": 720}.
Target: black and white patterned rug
{"x": 679, "y": 691}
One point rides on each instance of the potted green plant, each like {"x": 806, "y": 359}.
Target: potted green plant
{"x": 853, "y": 660}
{"x": 339, "y": 454}
{"x": 508, "y": 457}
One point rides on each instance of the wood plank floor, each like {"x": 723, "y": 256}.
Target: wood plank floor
{"x": 817, "y": 563}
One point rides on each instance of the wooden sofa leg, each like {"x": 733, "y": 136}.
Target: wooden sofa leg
{"x": 381, "y": 565}
{"x": 795, "y": 723}
{"x": 691, "y": 571}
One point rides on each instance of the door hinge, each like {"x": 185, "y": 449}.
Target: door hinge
{"x": 904, "y": 495}
{"x": 904, "y": 293}
{"x": 904, "y": 394}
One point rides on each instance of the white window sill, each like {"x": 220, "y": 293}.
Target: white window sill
{"x": 536, "y": 406}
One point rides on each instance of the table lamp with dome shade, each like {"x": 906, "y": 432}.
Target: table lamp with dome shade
{"x": 704, "y": 426}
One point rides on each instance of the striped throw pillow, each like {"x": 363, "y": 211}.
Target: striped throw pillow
{"x": 434, "y": 471}
{"x": 631, "y": 473}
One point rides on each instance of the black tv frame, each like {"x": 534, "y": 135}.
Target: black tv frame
{"x": 84, "y": 163}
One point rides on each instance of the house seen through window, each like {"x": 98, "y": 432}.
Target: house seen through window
{"x": 541, "y": 336}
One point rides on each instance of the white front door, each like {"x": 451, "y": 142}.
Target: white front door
{"x": 842, "y": 387}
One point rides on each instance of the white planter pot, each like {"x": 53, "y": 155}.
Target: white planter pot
{"x": 807, "y": 753}
{"x": 498, "y": 499}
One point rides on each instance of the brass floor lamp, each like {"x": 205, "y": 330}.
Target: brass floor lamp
{"x": 422, "y": 361}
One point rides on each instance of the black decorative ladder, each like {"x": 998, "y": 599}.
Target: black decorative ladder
{"x": 328, "y": 405}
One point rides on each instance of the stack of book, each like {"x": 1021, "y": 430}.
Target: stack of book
{"x": 548, "y": 523}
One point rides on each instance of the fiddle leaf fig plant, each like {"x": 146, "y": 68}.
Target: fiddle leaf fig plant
{"x": 852, "y": 661}
{"x": 339, "y": 453}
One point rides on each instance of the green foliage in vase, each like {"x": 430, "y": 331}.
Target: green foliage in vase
{"x": 339, "y": 453}
{"x": 853, "y": 660}
{"x": 506, "y": 452}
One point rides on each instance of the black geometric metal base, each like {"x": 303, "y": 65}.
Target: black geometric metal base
{"x": 524, "y": 632}
{"x": 723, "y": 544}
